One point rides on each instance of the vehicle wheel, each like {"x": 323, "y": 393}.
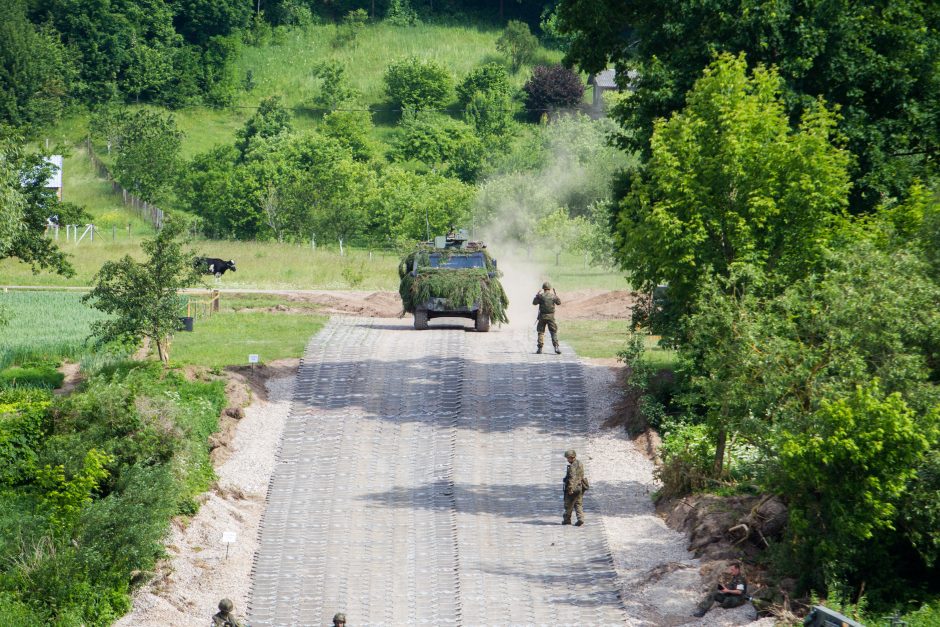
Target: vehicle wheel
{"x": 482, "y": 322}
{"x": 421, "y": 319}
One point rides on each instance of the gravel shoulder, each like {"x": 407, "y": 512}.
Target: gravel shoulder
{"x": 198, "y": 572}
{"x": 660, "y": 580}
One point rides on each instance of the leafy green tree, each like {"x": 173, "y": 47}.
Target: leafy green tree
{"x": 27, "y": 204}
{"x": 552, "y": 87}
{"x": 408, "y": 206}
{"x": 518, "y": 43}
{"x": 144, "y": 298}
{"x": 561, "y": 232}
{"x": 334, "y": 90}
{"x": 207, "y": 188}
{"x": 401, "y": 13}
{"x": 439, "y": 142}
{"x": 488, "y": 78}
{"x": 729, "y": 183}
{"x": 418, "y": 84}
{"x": 147, "y": 157}
{"x": 348, "y": 31}
{"x": 272, "y": 118}
{"x": 352, "y": 129}
{"x": 149, "y": 70}
{"x": 844, "y": 472}
{"x": 491, "y": 116}
{"x": 107, "y": 123}
{"x": 874, "y": 60}
{"x": 35, "y": 71}
{"x": 200, "y": 20}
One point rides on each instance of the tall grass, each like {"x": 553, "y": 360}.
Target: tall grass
{"x": 44, "y": 325}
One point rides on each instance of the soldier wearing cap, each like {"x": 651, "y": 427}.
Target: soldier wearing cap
{"x": 575, "y": 485}
{"x": 339, "y": 619}
{"x": 546, "y": 300}
{"x": 225, "y": 617}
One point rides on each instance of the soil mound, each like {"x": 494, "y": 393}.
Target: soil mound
{"x": 597, "y": 304}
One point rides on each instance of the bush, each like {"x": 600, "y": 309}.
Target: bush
{"x": 489, "y": 78}
{"x": 418, "y": 84}
{"x": 518, "y": 43}
{"x": 687, "y": 460}
{"x": 552, "y": 87}
{"x": 349, "y": 29}
{"x": 401, "y": 13}
{"x": 38, "y": 376}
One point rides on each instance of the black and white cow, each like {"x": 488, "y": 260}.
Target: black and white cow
{"x": 211, "y": 265}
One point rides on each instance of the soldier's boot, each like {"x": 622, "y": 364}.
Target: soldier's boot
{"x": 557, "y": 349}
{"x": 579, "y": 523}
{"x": 538, "y": 350}
{"x": 566, "y": 521}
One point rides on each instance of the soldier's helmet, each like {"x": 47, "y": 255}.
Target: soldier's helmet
{"x": 339, "y": 618}
{"x": 570, "y": 453}
{"x": 546, "y": 285}
{"x": 226, "y": 605}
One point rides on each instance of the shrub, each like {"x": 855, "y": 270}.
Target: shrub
{"x": 24, "y": 422}
{"x": 349, "y": 29}
{"x": 401, "y": 13}
{"x": 518, "y": 43}
{"x": 38, "y": 376}
{"x": 488, "y": 78}
{"x": 418, "y": 84}
{"x": 352, "y": 129}
{"x": 687, "y": 459}
{"x": 552, "y": 87}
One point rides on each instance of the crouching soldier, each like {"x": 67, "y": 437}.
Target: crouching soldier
{"x": 732, "y": 595}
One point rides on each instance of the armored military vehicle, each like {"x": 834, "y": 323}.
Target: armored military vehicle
{"x": 452, "y": 277}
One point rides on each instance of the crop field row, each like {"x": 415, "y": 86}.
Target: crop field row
{"x": 44, "y": 325}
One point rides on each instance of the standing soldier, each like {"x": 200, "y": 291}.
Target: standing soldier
{"x": 225, "y": 617}
{"x": 575, "y": 485}
{"x": 546, "y": 300}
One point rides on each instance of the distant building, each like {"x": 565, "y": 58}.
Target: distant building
{"x": 55, "y": 180}
{"x": 603, "y": 82}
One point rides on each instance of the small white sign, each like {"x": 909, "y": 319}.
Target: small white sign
{"x": 252, "y": 359}
{"x": 228, "y": 537}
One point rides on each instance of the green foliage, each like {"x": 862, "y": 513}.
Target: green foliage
{"x": 408, "y": 205}
{"x": 488, "y": 78}
{"x": 518, "y": 43}
{"x": 64, "y": 498}
{"x": 728, "y": 183}
{"x": 418, "y": 84}
{"x": 200, "y": 20}
{"x": 144, "y": 297}
{"x": 23, "y": 424}
{"x": 147, "y": 156}
{"x": 334, "y": 90}
{"x": 401, "y": 13}
{"x": 440, "y": 142}
{"x": 32, "y": 375}
{"x": 876, "y": 61}
{"x": 687, "y": 453}
{"x": 36, "y": 72}
{"x": 353, "y": 130}
{"x": 552, "y": 87}
{"x": 271, "y": 119}
{"x": 352, "y": 24}
{"x": 27, "y": 204}
{"x": 845, "y": 471}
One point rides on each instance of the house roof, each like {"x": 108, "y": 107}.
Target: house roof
{"x": 605, "y": 79}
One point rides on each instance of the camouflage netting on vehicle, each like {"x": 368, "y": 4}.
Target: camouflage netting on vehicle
{"x": 463, "y": 287}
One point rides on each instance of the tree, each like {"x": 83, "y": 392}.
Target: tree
{"x": 352, "y": 129}
{"x": 334, "y": 89}
{"x": 418, "y": 83}
{"x": 200, "y": 20}
{"x": 147, "y": 157}
{"x": 26, "y": 205}
{"x": 143, "y": 298}
{"x": 35, "y": 71}
{"x": 107, "y": 123}
{"x": 552, "y": 87}
{"x": 518, "y": 43}
{"x": 873, "y": 60}
{"x": 349, "y": 29}
{"x": 409, "y": 206}
{"x": 272, "y": 118}
{"x": 562, "y": 232}
{"x": 728, "y": 183}
{"x": 488, "y": 78}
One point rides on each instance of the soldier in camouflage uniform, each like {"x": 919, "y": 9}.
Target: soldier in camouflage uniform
{"x": 225, "y": 617}
{"x": 730, "y": 595}
{"x": 575, "y": 485}
{"x": 546, "y": 300}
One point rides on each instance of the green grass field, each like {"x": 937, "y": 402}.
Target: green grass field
{"x": 606, "y": 338}
{"x": 227, "y": 338}
{"x": 44, "y": 326}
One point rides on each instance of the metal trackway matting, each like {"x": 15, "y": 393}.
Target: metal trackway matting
{"x": 418, "y": 482}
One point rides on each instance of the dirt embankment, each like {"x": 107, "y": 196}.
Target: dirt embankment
{"x": 588, "y": 304}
